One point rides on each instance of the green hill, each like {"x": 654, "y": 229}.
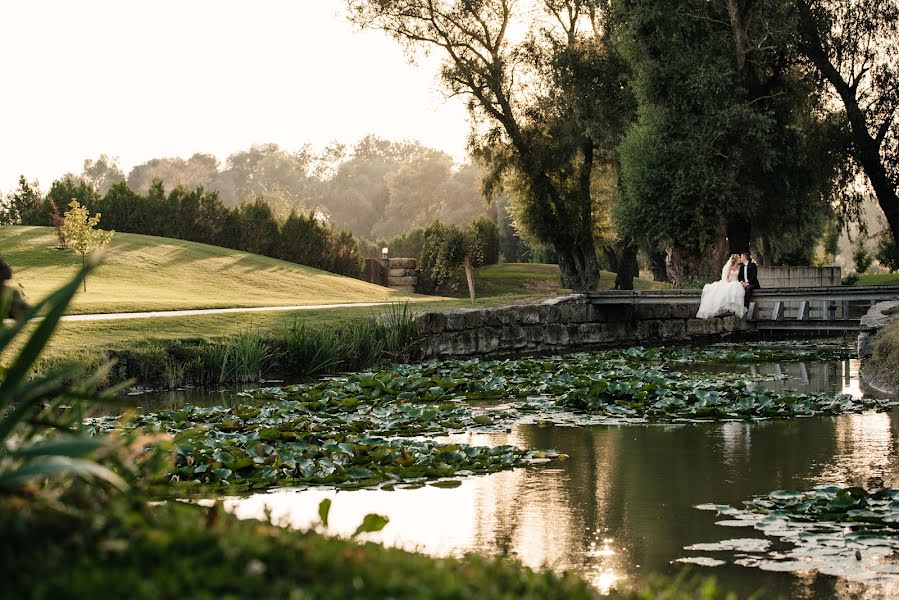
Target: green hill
{"x": 142, "y": 272}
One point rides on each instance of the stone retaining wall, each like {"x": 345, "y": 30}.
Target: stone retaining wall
{"x": 563, "y": 324}
{"x": 794, "y": 277}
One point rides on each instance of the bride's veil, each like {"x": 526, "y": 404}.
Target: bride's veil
{"x": 725, "y": 269}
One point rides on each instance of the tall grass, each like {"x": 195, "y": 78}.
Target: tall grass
{"x": 298, "y": 351}
{"x": 307, "y": 351}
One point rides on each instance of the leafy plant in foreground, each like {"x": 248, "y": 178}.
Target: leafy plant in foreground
{"x": 31, "y": 410}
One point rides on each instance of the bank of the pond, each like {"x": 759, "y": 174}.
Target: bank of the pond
{"x": 323, "y": 344}
{"x": 185, "y": 551}
{"x": 293, "y": 350}
{"x": 878, "y": 346}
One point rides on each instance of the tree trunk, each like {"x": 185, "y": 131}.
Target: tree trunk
{"x": 692, "y": 267}
{"x": 578, "y": 266}
{"x": 627, "y": 266}
{"x": 657, "y": 264}
{"x": 739, "y": 235}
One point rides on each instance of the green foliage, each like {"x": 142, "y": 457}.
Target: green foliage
{"x": 483, "y": 242}
{"x": 542, "y": 142}
{"x": 41, "y": 433}
{"x": 63, "y": 191}
{"x": 198, "y": 215}
{"x": 888, "y": 252}
{"x": 175, "y": 549}
{"x": 882, "y": 369}
{"x": 441, "y": 257}
{"x": 861, "y": 256}
{"x": 25, "y": 206}
{"x": 78, "y": 229}
{"x": 718, "y": 147}
{"x": 301, "y": 350}
{"x": 444, "y": 248}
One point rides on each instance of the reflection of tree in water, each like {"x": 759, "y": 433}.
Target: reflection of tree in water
{"x": 638, "y": 484}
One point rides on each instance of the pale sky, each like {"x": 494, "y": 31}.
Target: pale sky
{"x": 142, "y": 79}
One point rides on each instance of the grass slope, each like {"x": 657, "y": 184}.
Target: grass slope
{"x": 878, "y": 279}
{"x": 141, "y": 272}
{"x": 529, "y": 278}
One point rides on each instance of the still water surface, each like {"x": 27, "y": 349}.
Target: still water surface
{"x": 622, "y": 506}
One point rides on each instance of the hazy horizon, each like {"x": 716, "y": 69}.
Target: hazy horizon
{"x": 139, "y": 81}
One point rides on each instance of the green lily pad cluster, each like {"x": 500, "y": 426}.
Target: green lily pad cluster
{"x": 586, "y": 382}
{"x": 842, "y": 531}
{"x": 371, "y": 428}
{"x": 295, "y": 444}
{"x": 730, "y": 354}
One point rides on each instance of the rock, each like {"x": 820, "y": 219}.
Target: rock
{"x": 402, "y": 273}
{"x": 878, "y": 317}
{"x": 401, "y": 263}
{"x": 410, "y": 281}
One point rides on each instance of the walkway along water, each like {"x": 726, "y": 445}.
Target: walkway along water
{"x": 211, "y": 311}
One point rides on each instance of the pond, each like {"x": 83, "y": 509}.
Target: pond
{"x": 623, "y": 505}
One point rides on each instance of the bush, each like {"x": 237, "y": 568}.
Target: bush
{"x": 441, "y": 257}
{"x": 888, "y": 252}
{"x": 483, "y": 242}
{"x": 861, "y": 256}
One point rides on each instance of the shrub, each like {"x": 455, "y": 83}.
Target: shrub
{"x": 483, "y": 242}
{"x": 861, "y": 256}
{"x": 441, "y": 257}
{"x": 888, "y": 252}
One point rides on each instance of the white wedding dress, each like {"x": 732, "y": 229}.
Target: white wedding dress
{"x": 722, "y": 297}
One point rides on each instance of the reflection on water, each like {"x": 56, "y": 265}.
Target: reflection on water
{"x": 621, "y": 507}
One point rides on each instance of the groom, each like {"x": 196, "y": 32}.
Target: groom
{"x": 749, "y": 277}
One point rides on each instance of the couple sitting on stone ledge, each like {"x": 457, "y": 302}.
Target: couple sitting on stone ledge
{"x": 731, "y": 294}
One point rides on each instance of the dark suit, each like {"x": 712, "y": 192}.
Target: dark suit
{"x": 750, "y": 274}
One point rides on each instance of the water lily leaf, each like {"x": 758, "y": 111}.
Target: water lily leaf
{"x": 324, "y": 509}
{"x": 371, "y": 523}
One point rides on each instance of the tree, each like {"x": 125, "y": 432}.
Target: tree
{"x": 539, "y": 107}
{"x": 103, "y": 173}
{"x": 198, "y": 170}
{"x": 888, "y": 252}
{"x": 80, "y": 233}
{"x": 24, "y": 206}
{"x": 728, "y": 132}
{"x": 69, "y": 188}
{"x": 58, "y": 222}
{"x": 854, "y": 45}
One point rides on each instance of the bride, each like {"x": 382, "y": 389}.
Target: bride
{"x": 723, "y": 296}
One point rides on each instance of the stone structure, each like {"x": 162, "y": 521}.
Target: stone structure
{"x": 564, "y": 324}
{"x": 799, "y": 277}
{"x": 396, "y": 273}
{"x": 878, "y": 317}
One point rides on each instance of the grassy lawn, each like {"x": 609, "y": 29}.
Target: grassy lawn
{"x": 538, "y": 279}
{"x": 141, "y": 272}
{"x": 879, "y": 279}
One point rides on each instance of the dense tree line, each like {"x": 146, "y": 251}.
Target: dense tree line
{"x": 196, "y": 215}
{"x": 723, "y": 125}
{"x": 376, "y": 189}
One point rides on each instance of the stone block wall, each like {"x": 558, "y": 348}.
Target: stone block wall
{"x": 563, "y": 324}
{"x": 795, "y": 277}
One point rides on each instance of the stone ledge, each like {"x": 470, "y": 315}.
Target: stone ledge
{"x": 560, "y": 324}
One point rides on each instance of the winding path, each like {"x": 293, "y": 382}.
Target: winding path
{"x": 210, "y": 311}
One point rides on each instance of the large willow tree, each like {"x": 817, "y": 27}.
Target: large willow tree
{"x": 854, "y": 44}
{"x": 732, "y": 148}
{"x": 547, "y": 106}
